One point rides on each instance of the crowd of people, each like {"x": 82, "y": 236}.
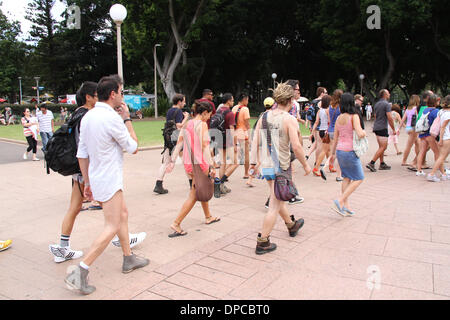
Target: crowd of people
{"x": 213, "y": 142}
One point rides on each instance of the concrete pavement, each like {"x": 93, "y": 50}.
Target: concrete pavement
{"x": 396, "y": 247}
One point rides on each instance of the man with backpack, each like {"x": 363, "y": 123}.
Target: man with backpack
{"x": 105, "y": 132}
{"x": 242, "y": 120}
{"x": 86, "y": 98}
{"x": 222, "y": 130}
{"x": 175, "y": 120}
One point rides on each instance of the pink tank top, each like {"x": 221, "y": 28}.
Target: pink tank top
{"x": 196, "y": 147}
{"x": 345, "y": 140}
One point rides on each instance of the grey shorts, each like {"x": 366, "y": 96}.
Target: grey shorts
{"x": 331, "y": 134}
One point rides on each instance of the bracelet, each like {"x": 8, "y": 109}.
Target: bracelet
{"x": 128, "y": 119}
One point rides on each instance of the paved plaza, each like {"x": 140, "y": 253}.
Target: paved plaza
{"x": 396, "y": 247}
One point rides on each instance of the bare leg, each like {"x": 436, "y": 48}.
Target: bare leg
{"x": 76, "y": 202}
{"x": 185, "y": 209}
{"x": 382, "y": 146}
{"x": 112, "y": 210}
{"x": 276, "y": 207}
{"x": 439, "y": 164}
{"x": 411, "y": 140}
{"x": 422, "y": 153}
{"x": 343, "y": 199}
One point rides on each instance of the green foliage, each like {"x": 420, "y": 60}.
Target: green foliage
{"x": 148, "y": 112}
{"x": 18, "y": 109}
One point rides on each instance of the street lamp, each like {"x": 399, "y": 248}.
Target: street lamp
{"x": 318, "y": 83}
{"x": 20, "y": 89}
{"x": 274, "y": 76}
{"x": 361, "y": 76}
{"x": 118, "y": 13}
{"x": 156, "y": 87}
{"x": 37, "y": 87}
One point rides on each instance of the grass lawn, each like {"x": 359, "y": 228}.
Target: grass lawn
{"x": 149, "y": 132}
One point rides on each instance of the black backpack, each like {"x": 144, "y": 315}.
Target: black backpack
{"x": 170, "y": 139}
{"x": 218, "y": 120}
{"x": 61, "y": 153}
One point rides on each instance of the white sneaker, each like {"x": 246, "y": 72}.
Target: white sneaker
{"x": 445, "y": 177}
{"x": 420, "y": 173}
{"x": 135, "y": 239}
{"x": 25, "y": 156}
{"x": 62, "y": 254}
{"x": 447, "y": 172}
{"x": 433, "y": 178}
{"x": 36, "y": 159}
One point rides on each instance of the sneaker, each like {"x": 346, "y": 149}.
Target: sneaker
{"x": 384, "y": 166}
{"x": 433, "y": 178}
{"x": 445, "y": 177}
{"x": 5, "y": 245}
{"x": 316, "y": 172}
{"x": 224, "y": 189}
{"x": 264, "y": 245}
{"x": 36, "y": 159}
{"x": 298, "y": 224}
{"x": 267, "y": 203}
{"x": 61, "y": 254}
{"x": 25, "y": 156}
{"x": 338, "y": 208}
{"x": 420, "y": 173}
{"x": 339, "y": 179}
{"x": 447, "y": 172}
{"x": 371, "y": 167}
{"x": 349, "y": 213}
{"x": 133, "y": 262}
{"x": 135, "y": 239}
{"x": 296, "y": 200}
{"x": 77, "y": 279}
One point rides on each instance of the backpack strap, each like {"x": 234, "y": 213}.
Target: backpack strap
{"x": 237, "y": 115}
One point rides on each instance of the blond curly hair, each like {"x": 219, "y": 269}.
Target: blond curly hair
{"x": 283, "y": 93}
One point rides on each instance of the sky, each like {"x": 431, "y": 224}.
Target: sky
{"x": 15, "y": 10}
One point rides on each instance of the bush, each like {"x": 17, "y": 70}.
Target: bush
{"x": 18, "y": 109}
{"x": 147, "y": 112}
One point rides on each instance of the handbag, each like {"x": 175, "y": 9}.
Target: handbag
{"x": 435, "y": 128}
{"x": 284, "y": 188}
{"x": 326, "y": 138}
{"x": 360, "y": 145}
{"x": 204, "y": 185}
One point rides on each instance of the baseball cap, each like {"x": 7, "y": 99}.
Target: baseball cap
{"x": 269, "y": 101}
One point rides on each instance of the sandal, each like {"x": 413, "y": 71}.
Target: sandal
{"x": 412, "y": 169}
{"x": 177, "y": 234}
{"x": 331, "y": 168}
{"x": 215, "y": 219}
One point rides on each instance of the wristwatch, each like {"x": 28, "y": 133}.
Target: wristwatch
{"x": 128, "y": 119}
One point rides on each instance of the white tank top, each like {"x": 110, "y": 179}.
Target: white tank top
{"x": 323, "y": 119}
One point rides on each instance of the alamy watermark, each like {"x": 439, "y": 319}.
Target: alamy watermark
{"x": 374, "y": 20}
{"x": 74, "y": 17}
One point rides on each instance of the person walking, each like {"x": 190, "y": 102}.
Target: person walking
{"x": 322, "y": 122}
{"x": 208, "y": 96}
{"x": 383, "y": 118}
{"x": 393, "y": 139}
{"x": 444, "y": 144}
{"x": 284, "y": 130}
{"x": 228, "y": 147}
{"x": 242, "y": 120}
{"x": 30, "y": 131}
{"x": 350, "y": 164}
{"x": 368, "y": 111}
{"x": 176, "y": 115}
{"x": 194, "y": 139}
{"x": 334, "y": 112}
{"x": 46, "y": 124}
{"x": 86, "y": 98}
{"x": 409, "y": 121}
{"x": 105, "y": 132}
{"x": 426, "y": 140}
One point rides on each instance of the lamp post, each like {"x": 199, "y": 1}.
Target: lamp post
{"x": 156, "y": 86}
{"x": 37, "y": 87}
{"x": 118, "y": 13}
{"x": 318, "y": 83}
{"x": 274, "y": 76}
{"x": 20, "y": 90}
{"x": 361, "y": 77}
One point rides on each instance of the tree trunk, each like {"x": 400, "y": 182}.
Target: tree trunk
{"x": 391, "y": 62}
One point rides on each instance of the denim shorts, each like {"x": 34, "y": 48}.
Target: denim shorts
{"x": 350, "y": 164}
{"x": 268, "y": 173}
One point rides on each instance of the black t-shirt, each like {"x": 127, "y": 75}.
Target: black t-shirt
{"x": 175, "y": 114}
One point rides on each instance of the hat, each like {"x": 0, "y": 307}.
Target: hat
{"x": 268, "y": 102}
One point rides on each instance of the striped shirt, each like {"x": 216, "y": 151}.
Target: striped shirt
{"x": 45, "y": 120}
{"x": 27, "y": 130}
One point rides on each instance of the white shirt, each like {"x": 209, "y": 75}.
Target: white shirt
{"x": 45, "y": 120}
{"x": 445, "y": 116}
{"x": 103, "y": 137}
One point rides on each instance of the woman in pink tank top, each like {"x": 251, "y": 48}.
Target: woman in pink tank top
{"x": 349, "y": 163}
{"x": 194, "y": 138}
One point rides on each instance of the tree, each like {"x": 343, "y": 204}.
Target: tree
{"x": 12, "y": 53}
